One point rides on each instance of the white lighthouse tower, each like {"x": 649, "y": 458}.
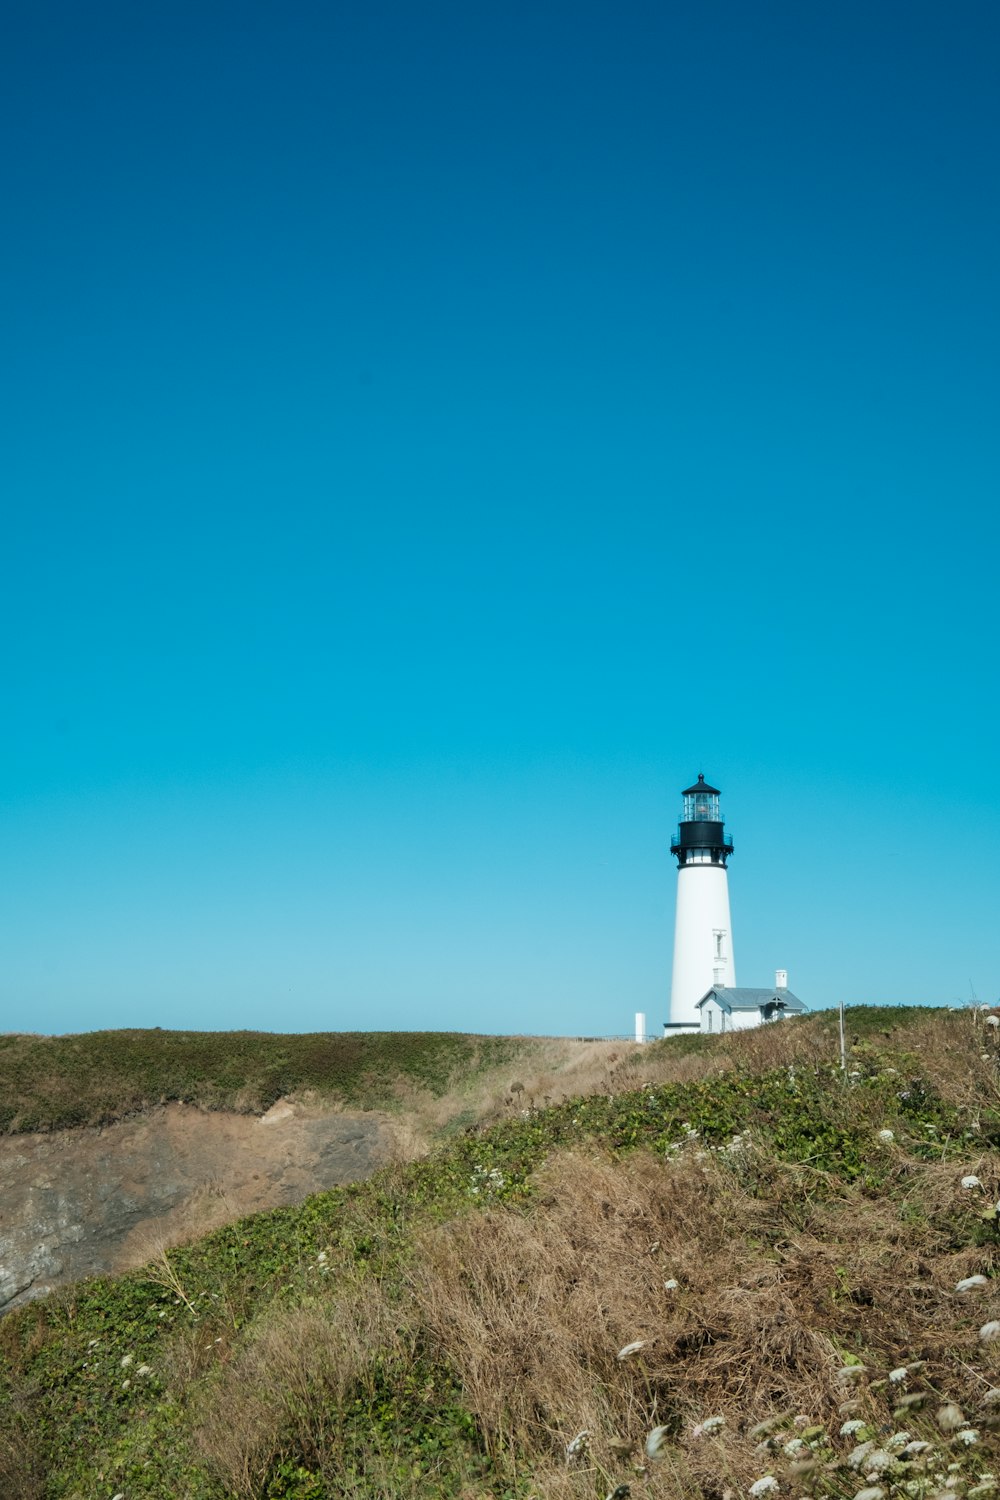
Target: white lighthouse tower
{"x": 703, "y": 934}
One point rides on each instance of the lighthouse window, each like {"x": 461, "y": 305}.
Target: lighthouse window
{"x": 701, "y": 808}
{"x": 719, "y": 936}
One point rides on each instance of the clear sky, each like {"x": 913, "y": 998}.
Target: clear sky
{"x": 434, "y": 433}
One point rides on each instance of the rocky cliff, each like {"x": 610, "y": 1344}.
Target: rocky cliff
{"x": 76, "y": 1203}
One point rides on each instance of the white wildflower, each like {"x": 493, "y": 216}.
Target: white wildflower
{"x": 321, "y": 1258}
{"x": 914, "y": 1449}
{"x": 857, "y": 1455}
{"x": 969, "y": 1283}
{"x": 671, "y": 1285}
{"x": 125, "y": 1361}
{"x": 577, "y": 1447}
{"x": 638, "y": 1344}
{"x": 710, "y": 1425}
{"x": 968, "y": 1436}
{"x": 989, "y": 1332}
{"x": 993, "y": 1020}
{"x": 878, "y": 1461}
{"x": 886, "y": 1136}
{"x": 981, "y": 1490}
{"x": 897, "y": 1376}
{"x": 657, "y": 1444}
{"x": 871, "y": 1492}
{"x": 847, "y": 1373}
{"x": 992, "y": 1396}
{"x": 125, "y": 1384}
{"x": 766, "y": 1486}
{"x": 144, "y": 1370}
{"x": 93, "y": 1343}
{"x": 794, "y": 1446}
{"x": 897, "y": 1443}
{"x": 972, "y": 1181}
{"x": 848, "y": 1429}
{"x": 950, "y": 1417}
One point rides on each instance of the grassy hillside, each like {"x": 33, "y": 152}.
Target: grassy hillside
{"x": 752, "y": 1263}
{"x": 52, "y": 1082}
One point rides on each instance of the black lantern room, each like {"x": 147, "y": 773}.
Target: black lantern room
{"x": 701, "y": 838}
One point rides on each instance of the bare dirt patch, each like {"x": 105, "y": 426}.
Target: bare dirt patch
{"x": 88, "y": 1202}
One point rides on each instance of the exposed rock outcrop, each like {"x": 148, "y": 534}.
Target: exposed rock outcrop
{"x": 78, "y": 1203}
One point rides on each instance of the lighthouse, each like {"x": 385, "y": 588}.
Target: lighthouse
{"x": 703, "y": 935}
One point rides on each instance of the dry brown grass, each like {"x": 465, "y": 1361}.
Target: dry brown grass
{"x": 782, "y": 1271}
{"x": 22, "y": 1475}
{"x": 951, "y": 1050}
{"x": 22, "y": 1465}
{"x": 555, "y": 1069}
{"x": 550, "y": 1071}
{"x": 778, "y": 1046}
{"x": 282, "y": 1388}
{"x": 948, "y": 1045}
{"x": 532, "y": 1309}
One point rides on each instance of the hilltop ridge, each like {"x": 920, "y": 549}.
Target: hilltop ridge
{"x": 750, "y": 1237}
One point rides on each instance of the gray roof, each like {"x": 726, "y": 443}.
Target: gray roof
{"x": 740, "y": 999}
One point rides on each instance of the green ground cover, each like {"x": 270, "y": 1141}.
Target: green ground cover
{"x": 55, "y": 1082}
{"x": 386, "y": 1339}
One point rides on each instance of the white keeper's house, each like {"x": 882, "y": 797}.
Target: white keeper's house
{"x": 723, "y": 1009}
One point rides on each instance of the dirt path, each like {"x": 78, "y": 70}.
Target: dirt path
{"x": 77, "y": 1203}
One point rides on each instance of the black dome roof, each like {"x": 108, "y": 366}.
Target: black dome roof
{"x": 701, "y": 785}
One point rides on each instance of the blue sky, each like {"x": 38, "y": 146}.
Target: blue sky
{"x": 433, "y": 435}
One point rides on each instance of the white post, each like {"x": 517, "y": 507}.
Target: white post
{"x": 843, "y": 1041}
{"x": 640, "y": 1026}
